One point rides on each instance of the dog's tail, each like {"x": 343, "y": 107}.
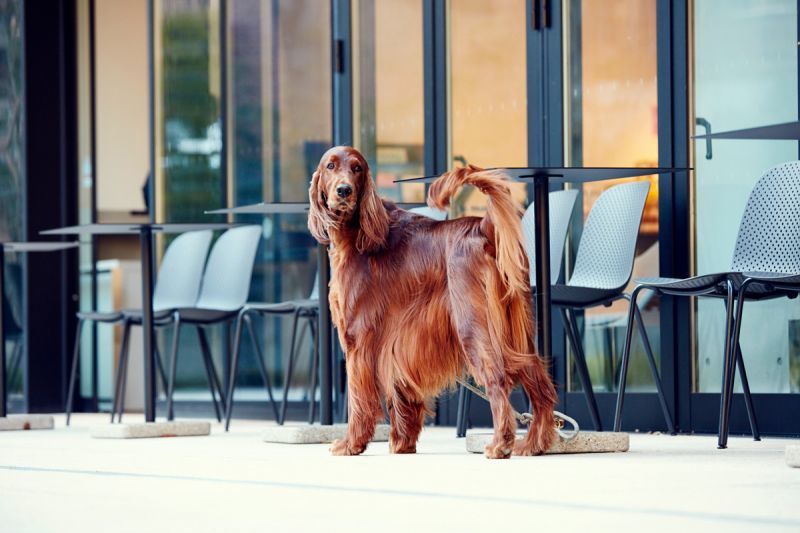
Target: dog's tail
{"x": 501, "y": 225}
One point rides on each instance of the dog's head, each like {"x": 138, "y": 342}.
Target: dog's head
{"x": 342, "y": 196}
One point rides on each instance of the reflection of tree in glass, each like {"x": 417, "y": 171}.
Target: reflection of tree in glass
{"x": 191, "y": 135}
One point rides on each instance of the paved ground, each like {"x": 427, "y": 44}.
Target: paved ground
{"x": 63, "y": 480}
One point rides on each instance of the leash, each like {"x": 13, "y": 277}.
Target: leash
{"x": 527, "y": 418}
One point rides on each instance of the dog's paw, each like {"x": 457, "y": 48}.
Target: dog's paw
{"x": 525, "y": 448}
{"x": 402, "y": 447}
{"x": 343, "y": 447}
{"x": 498, "y": 451}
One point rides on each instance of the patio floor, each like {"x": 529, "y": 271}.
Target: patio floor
{"x": 63, "y": 480}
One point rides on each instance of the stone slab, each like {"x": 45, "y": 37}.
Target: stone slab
{"x": 149, "y": 430}
{"x": 316, "y": 434}
{"x": 585, "y": 442}
{"x": 25, "y": 422}
{"x": 793, "y": 455}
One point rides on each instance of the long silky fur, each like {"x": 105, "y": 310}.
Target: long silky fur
{"x": 416, "y": 301}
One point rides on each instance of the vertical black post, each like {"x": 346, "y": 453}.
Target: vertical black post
{"x": 324, "y": 341}
{"x": 541, "y": 192}
{"x": 3, "y": 391}
{"x": 434, "y": 35}
{"x": 146, "y": 245}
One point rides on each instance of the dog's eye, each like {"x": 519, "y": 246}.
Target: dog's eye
{"x": 357, "y": 168}
{"x": 330, "y": 166}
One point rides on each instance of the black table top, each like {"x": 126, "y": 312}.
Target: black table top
{"x": 788, "y": 131}
{"x": 37, "y": 246}
{"x": 273, "y": 208}
{"x": 565, "y": 174}
{"x": 123, "y": 229}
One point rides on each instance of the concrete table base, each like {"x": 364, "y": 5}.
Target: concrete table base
{"x": 148, "y": 430}
{"x": 585, "y": 442}
{"x": 793, "y": 455}
{"x": 24, "y": 422}
{"x": 306, "y": 434}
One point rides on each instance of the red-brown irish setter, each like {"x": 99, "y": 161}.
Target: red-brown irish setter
{"x": 418, "y": 303}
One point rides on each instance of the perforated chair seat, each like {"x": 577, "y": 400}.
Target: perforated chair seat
{"x": 581, "y": 297}
{"x": 289, "y": 306}
{"x": 780, "y": 278}
{"x": 136, "y": 316}
{"x": 198, "y": 315}
{"x": 710, "y": 282}
{"x": 106, "y": 317}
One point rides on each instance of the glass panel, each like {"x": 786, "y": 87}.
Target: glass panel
{"x": 388, "y": 110}
{"x": 188, "y": 176}
{"x": 612, "y": 113}
{"x": 280, "y": 124}
{"x": 12, "y": 189}
{"x": 745, "y": 75}
{"x": 488, "y": 91}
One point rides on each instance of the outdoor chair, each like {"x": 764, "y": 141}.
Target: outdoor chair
{"x": 603, "y": 267}
{"x": 302, "y": 309}
{"x": 223, "y": 293}
{"x": 177, "y": 285}
{"x": 765, "y": 265}
{"x": 178, "y": 282}
{"x": 562, "y": 204}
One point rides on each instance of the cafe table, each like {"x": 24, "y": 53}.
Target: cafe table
{"x": 17, "y": 247}
{"x": 145, "y": 232}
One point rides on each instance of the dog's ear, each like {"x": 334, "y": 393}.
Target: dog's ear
{"x": 373, "y": 220}
{"x": 318, "y": 219}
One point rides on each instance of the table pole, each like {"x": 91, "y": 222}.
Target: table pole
{"x": 146, "y": 254}
{"x": 3, "y": 391}
{"x": 324, "y": 341}
{"x": 541, "y": 197}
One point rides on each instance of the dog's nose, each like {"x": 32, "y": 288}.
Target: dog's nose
{"x": 344, "y": 190}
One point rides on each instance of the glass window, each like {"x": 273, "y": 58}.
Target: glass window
{"x": 611, "y": 118}
{"x": 388, "y": 99}
{"x": 12, "y": 189}
{"x": 279, "y": 107}
{"x": 488, "y": 98}
{"x": 745, "y": 75}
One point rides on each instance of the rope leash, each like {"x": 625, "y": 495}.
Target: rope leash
{"x": 526, "y": 418}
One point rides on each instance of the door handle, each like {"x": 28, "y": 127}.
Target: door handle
{"x": 700, "y": 121}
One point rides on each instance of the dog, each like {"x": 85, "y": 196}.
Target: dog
{"x": 418, "y": 302}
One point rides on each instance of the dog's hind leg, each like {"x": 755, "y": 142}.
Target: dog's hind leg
{"x": 541, "y": 433}
{"x": 483, "y": 358}
{"x": 406, "y": 416}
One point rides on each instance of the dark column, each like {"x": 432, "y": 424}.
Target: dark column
{"x": 51, "y": 197}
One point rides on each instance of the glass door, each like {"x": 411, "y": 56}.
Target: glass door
{"x": 611, "y": 119}
{"x": 745, "y": 69}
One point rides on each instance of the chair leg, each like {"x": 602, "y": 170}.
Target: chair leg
{"x": 648, "y": 349}
{"x": 735, "y": 345}
{"x": 580, "y": 363}
{"x": 462, "y": 411}
{"x": 289, "y": 369}
{"x": 262, "y": 368}
{"x": 126, "y": 329}
{"x": 626, "y": 355}
{"x": 312, "y": 389}
{"x": 16, "y": 360}
{"x": 173, "y": 368}
{"x": 210, "y": 374}
{"x": 73, "y": 375}
{"x": 237, "y": 343}
{"x": 160, "y": 367}
{"x": 125, "y": 360}
{"x": 748, "y": 399}
{"x": 727, "y": 371}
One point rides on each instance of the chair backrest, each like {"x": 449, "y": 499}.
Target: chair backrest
{"x": 226, "y": 281}
{"x": 608, "y": 244}
{"x": 769, "y": 233}
{"x": 561, "y": 205}
{"x": 430, "y": 212}
{"x": 181, "y": 271}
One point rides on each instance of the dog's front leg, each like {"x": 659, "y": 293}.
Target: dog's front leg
{"x": 363, "y": 402}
